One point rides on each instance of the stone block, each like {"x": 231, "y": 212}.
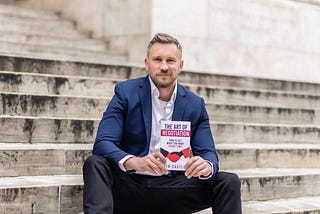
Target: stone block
{"x": 268, "y": 184}
{"x": 264, "y": 133}
{"x": 71, "y": 198}
{"x": 34, "y": 199}
{"x": 255, "y": 114}
{"x": 42, "y": 159}
{"x": 65, "y": 67}
{"x": 242, "y": 156}
{"x": 256, "y": 97}
{"x": 46, "y": 130}
{"x": 56, "y": 85}
{"x": 52, "y": 106}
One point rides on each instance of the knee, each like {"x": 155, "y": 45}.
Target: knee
{"x": 231, "y": 181}
{"x": 95, "y": 161}
{"x": 234, "y": 180}
{"x": 91, "y": 161}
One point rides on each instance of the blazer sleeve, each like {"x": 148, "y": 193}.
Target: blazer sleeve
{"x": 202, "y": 139}
{"x": 110, "y": 130}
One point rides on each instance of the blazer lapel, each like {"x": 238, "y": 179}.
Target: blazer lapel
{"x": 146, "y": 105}
{"x": 180, "y": 104}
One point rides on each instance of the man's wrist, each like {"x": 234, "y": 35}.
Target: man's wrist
{"x": 211, "y": 173}
{"x": 122, "y": 163}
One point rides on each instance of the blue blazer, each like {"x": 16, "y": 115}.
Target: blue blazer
{"x": 125, "y": 127}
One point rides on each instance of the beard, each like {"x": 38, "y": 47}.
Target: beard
{"x": 160, "y": 83}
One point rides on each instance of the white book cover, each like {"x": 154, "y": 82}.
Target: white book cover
{"x": 175, "y": 143}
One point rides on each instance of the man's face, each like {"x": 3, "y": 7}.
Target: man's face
{"x": 163, "y": 64}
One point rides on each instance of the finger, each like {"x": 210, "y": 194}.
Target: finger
{"x": 159, "y": 156}
{"x": 195, "y": 172}
{"x": 198, "y": 171}
{"x": 191, "y": 166}
{"x": 160, "y": 161}
{"x": 153, "y": 168}
{"x": 156, "y": 165}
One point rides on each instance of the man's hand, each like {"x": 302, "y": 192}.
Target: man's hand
{"x": 153, "y": 163}
{"x": 197, "y": 166}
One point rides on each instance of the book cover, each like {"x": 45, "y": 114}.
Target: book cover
{"x": 175, "y": 143}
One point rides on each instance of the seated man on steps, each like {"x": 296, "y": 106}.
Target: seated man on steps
{"x": 127, "y": 174}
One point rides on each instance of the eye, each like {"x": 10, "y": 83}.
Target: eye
{"x": 171, "y": 60}
{"x": 157, "y": 59}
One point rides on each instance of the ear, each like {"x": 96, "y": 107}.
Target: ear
{"x": 181, "y": 65}
{"x": 146, "y": 64}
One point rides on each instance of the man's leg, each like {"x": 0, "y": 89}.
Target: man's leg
{"x": 98, "y": 182}
{"x": 226, "y": 193}
{"x": 107, "y": 191}
{"x": 179, "y": 194}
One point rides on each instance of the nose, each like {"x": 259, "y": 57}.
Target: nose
{"x": 164, "y": 66}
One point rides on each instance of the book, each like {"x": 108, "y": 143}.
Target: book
{"x": 175, "y": 143}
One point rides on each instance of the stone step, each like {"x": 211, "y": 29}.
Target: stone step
{"x": 41, "y": 194}
{"x": 238, "y": 132}
{"x": 52, "y": 106}
{"x": 54, "y": 56}
{"x": 36, "y": 23}
{"x": 47, "y": 84}
{"x": 260, "y": 97}
{"x": 92, "y": 107}
{"x": 250, "y": 113}
{"x": 48, "y": 193}
{"x": 302, "y": 205}
{"x": 42, "y": 159}
{"x": 49, "y": 28}
{"x": 68, "y": 68}
{"x": 72, "y": 34}
{"x": 32, "y": 40}
{"x": 119, "y": 71}
{"x": 7, "y": 10}
{"x": 258, "y": 155}
{"x": 50, "y": 50}
{"x": 22, "y": 159}
{"x": 18, "y": 129}
{"x": 90, "y": 86}
{"x": 210, "y": 79}
{"x": 276, "y": 183}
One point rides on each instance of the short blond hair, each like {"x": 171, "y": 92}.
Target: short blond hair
{"x": 164, "y": 39}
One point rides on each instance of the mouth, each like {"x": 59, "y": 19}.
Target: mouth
{"x": 163, "y": 74}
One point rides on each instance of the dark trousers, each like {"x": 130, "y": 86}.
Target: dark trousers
{"x": 115, "y": 192}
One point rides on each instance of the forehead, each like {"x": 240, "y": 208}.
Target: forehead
{"x": 164, "y": 49}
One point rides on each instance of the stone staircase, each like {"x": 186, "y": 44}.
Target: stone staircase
{"x": 267, "y": 131}
{"x": 47, "y": 36}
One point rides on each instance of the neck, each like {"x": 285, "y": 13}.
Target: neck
{"x": 165, "y": 93}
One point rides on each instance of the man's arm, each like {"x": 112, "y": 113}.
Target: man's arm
{"x": 110, "y": 129}
{"x": 203, "y": 146}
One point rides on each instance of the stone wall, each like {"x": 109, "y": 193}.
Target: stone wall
{"x": 273, "y": 39}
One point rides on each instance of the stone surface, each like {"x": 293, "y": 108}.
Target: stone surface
{"x": 41, "y": 194}
{"x": 55, "y": 159}
{"x": 267, "y": 131}
{"x": 220, "y": 37}
{"x": 42, "y": 159}
{"x": 47, "y": 130}
{"x": 243, "y": 156}
{"x": 238, "y": 132}
{"x": 68, "y": 67}
{"x": 261, "y": 97}
{"x": 52, "y": 105}
{"x": 257, "y": 184}
{"x": 55, "y": 85}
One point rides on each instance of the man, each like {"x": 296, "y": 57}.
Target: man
{"x": 127, "y": 172}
